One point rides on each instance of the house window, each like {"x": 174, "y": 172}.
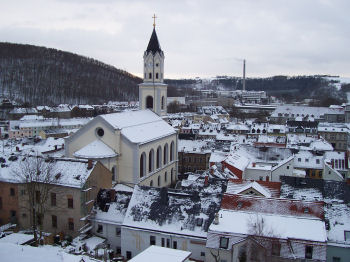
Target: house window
{"x": 163, "y": 242}
{"x": 12, "y": 213}
{"x": 71, "y": 224}
{"x": 174, "y": 244}
{"x": 308, "y": 252}
{"x": 167, "y": 242}
{"x": 150, "y": 75}
{"x": 287, "y": 167}
{"x": 53, "y": 199}
{"x": 224, "y": 242}
{"x": 306, "y": 160}
{"x": 128, "y": 255}
{"x": 99, "y": 228}
{"x": 299, "y": 159}
{"x": 317, "y": 161}
{"x": 12, "y": 191}
{"x": 336, "y": 259}
{"x": 23, "y": 192}
{"x": 347, "y": 235}
{"x": 0, "y": 203}
{"x": 152, "y": 240}
{"x": 117, "y": 231}
{"x": 202, "y": 254}
{"x": 276, "y": 248}
{"x": 70, "y": 202}
{"x": 54, "y": 221}
{"x": 156, "y": 75}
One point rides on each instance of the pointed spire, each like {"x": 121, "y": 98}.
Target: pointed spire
{"x": 153, "y": 45}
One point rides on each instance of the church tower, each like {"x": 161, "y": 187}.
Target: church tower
{"x": 153, "y": 91}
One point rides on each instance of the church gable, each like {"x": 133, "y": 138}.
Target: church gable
{"x": 96, "y": 129}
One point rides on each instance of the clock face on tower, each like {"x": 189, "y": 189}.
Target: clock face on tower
{"x": 149, "y": 65}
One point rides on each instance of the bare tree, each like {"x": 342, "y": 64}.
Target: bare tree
{"x": 216, "y": 256}
{"x": 36, "y": 174}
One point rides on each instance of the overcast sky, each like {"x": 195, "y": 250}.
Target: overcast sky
{"x": 199, "y": 38}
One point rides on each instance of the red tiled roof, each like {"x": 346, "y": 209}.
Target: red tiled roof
{"x": 273, "y": 205}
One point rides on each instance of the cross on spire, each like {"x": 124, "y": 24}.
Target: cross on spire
{"x": 154, "y": 20}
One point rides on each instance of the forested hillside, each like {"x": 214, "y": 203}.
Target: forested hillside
{"x": 38, "y": 75}
{"x": 288, "y": 88}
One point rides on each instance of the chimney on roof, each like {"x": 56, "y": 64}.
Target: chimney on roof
{"x": 112, "y": 195}
{"x": 253, "y": 164}
{"x": 216, "y": 219}
{"x": 206, "y": 179}
{"x": 89, "y": 164}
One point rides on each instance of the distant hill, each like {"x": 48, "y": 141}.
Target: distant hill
{"x": 288, "y": 88}
{"x": 35, "y": 75}
{"x": 45, "y": 76}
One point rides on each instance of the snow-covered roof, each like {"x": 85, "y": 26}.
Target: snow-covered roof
{"x": 130, "y": 118}
{"x": 161, "y": 254}
{"x": 254, "y": 185}
{"x": 334, "y": 193}
{"x": 238, "y": 161}
{"x": 193, "y": 146}
{"x": 17, "y": 238}
{"x": 111, "y": 206}
{"x": 140, "y": 126}
{"x": 13, "y": 252}
{"x": 278, "y": 206}
{"x": 315, "y": 112}
{"x": 179, "y": 212}
{"x": 217, "y": 156}
{"x": 95, "y": 150}
{"x": 267, "y": 188}
{"x": 284, "y": 226}
{"x": 63, "y": 171}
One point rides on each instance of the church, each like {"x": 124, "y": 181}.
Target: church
{"x": 138, "y": 147}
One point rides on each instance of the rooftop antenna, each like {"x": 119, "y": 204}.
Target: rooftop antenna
{"x": 243, "y": 74}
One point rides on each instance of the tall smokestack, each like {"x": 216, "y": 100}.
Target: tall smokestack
{"x": 243, "y": 74}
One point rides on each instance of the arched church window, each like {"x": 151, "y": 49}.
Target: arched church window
{"x": 165, "y": 154}
{"x": 151, "y": 161}
{"x": 149, "y": 102}
{"x": 151, "y": 183}
{"x": 142, "y": 164}
{"x": 172, "y": 175}
{"x": 166, "y": 177}
{"x": 163, "y": 101}
{"x": 158, "y": 180}
{"x": 159, "y": 157}
{"x": 172, "y": 151}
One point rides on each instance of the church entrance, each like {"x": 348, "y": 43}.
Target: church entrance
{"x": 149, "y": 102}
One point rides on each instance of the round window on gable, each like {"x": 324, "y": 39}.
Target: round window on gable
{"x": 100, "y": 132}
